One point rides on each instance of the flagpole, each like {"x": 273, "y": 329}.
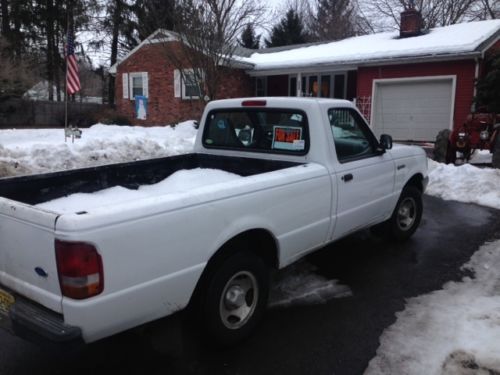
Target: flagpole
{"x": 66, "y": 78}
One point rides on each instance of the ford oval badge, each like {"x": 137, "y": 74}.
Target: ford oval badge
{"x": 41, "y": 272}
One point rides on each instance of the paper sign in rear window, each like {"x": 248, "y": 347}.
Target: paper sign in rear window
{"x": 288, "y": 138}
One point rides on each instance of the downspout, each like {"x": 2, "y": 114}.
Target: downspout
{"x": 476, "y": 77}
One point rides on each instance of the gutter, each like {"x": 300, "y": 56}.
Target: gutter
{"x": 354, "y": 64}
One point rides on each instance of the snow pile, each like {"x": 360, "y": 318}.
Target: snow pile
{"x": 481, "y": 157}
{"x": 178, "y": 182}
{"x": 465, "y": 183}
{"x": 455, "y": 330}
{"x": 31, "y": 151}
{"x": 454, "y": 39}
{"x": 300, "y": 285}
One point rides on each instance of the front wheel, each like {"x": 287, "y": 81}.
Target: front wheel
{"x": 405, "y": 218}
{"x": 235, "y": 298}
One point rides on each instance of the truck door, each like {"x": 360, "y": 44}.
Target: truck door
{"x": 364, "y": 175}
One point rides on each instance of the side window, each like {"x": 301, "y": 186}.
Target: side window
{"x": 353, "y": 140}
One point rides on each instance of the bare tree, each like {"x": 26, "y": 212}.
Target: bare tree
{"x": 207, "y": 38}
{"x": 337, "y": 19}
{"x": 486, "y": 9}
{"x": 385, "y": 14}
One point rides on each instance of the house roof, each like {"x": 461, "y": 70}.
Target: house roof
{"x": 162, "y": 36}
{"x": 466, "y": 39}
{"x": 449, "y": 42}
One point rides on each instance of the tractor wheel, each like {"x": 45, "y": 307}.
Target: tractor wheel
{"x": 496, "y": 153}
{"x": 442, "y": 146}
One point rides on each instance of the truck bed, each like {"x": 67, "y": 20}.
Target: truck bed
{"x": 41, "y": 188}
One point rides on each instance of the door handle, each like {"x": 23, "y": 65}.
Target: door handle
{"x": 347, "y": 177}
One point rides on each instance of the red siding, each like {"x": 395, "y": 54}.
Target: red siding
{"x": 464, "y": 71}
{"x": 163, "y": 107}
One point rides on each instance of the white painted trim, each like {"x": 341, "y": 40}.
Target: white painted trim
{"x": 382, "y": 81}
{"x": 304, "y": 70}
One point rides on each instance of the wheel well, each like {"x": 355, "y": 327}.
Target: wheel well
{"x": 258, "y": 241}
{"x": 417, "y": 181}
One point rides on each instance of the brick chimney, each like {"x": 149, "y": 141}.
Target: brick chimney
{"x": 411, "y": 22}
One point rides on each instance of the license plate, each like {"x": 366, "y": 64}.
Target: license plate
{"x": 6, "y": 301}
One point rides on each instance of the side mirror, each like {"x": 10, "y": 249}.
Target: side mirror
{"x": 385, "y": 141}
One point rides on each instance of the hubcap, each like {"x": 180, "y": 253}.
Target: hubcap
{"x": 407, "y": 214}
{"x": 238, "y": 300}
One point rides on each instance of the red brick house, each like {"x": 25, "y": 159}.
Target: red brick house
{"x": 409, "y": 84}
{"x": 147, "y": 71}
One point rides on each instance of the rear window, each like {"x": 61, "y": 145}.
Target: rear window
{"x": 281, "y": 131}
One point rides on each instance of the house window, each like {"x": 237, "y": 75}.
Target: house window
{"x": 319, "y": 85}
{"x": 190, "y": 85}
{"x": 137, "y": 85}
{"x": 339, "y": 86}
{"x": 261, "y": 86}
{"x": 293, "y": 86}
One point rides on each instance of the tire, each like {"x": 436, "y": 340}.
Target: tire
{"x": 495, "y": 161}
{"x": 235, "y": 298}
{"x": 442, "y": 146}
{"x": 405, "y": 218}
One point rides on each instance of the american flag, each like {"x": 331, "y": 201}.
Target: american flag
{"x": 72, "y": 79}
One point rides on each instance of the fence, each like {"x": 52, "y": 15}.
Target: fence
{"x": 20, "y": 113}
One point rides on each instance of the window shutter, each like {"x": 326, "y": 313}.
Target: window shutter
{"x": 145, "y": 84}
{"x": 125, "y": 87}
{"x": 177, "y": 83}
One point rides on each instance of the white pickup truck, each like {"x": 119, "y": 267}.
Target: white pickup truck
{"x": 310, "y": 171}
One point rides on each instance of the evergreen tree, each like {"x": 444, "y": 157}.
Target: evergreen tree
{"x": 488, "y": 88}
{"x": 290, "y": 30}
{"x": 249, "y": 39}
{"x": 152, "y": 15}
{"x": 334, "y": 20}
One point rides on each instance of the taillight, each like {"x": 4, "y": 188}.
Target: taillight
{"x": 79, "y": 267}
{"x": 254, "y": 103}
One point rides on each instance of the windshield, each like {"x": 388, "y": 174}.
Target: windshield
{"x": 268, "y": 130}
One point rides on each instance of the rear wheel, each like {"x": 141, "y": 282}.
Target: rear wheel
{"x": 496, "y": 152}
{"x": 235, "y": 297}
{"x": 405, "y": 218}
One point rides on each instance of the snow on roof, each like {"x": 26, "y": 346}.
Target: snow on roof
{"x": 452, "y": 40}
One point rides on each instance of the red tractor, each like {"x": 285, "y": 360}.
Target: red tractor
{"x": 481, "y": 131}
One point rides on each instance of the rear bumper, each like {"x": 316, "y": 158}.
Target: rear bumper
{"x": 37, "y": 324}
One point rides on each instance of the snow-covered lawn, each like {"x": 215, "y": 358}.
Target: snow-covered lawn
{"x": 44, "y": 150}
{"x": 466, "y": 183}
{"x": 450, "y": 331}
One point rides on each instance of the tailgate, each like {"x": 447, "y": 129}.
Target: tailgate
{"x": 27, "y": 255}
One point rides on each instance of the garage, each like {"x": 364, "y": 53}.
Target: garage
{"x": 413, "y": 109}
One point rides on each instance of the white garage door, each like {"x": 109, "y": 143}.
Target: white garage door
{"x": 413, "y": 110}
